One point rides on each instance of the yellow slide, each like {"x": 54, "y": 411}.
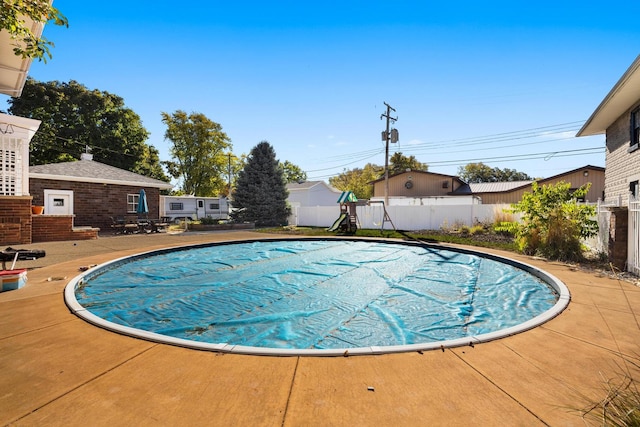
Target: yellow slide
{"x": 336, "y": 225}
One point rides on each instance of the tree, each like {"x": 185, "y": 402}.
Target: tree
{"x": 198, "y": 149}
{"x": 13, "y": 19}
{"x": 553, "y": 223}
{"x": 292, "y": 173}
{"x": 150, "y": 165}
{"x": 74, "y": 118}
{"x": 261, "y": 194}
{"x": 399, "y": 163}
{"x": 358, "y": 180}
{"x": 479, "y": 172}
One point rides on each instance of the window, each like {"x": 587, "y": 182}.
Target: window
{"x": 132, "y": 203}
{"x": 10, "y": 184}
{"x": 633, "y": 188}
{"x": 200, "y": 204}
{"x": 214, "y": 206}
{"x": 176, "y": 206}
{"x": 635, "y": 128}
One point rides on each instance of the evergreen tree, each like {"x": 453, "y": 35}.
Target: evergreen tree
{"x": 261, "y": 194}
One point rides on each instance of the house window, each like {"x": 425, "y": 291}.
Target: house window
{"x": 10, "y": 168}
{"x": 635, "y": 128}
{"x": 132, "y": 203}
{"x": 633, "y": 188}
{"x": 175, "y": 206}
{"x": 214, "y": 206}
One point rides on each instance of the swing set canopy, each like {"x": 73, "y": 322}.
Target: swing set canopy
{"x": 347, "y": 196}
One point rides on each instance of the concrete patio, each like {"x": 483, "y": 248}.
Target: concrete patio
{"x": 56, "y": 369}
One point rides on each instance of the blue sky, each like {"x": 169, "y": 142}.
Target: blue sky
{"x": 507, "y": 84}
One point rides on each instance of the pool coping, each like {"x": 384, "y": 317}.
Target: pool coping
{"x": 564, "y": 297}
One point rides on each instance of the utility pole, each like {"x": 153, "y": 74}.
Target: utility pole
{"x": 388, "y": 135}
{"x": 229, "y": 171}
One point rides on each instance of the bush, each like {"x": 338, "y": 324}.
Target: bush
{"x": 208, "y": 221}
{"x": 553, "y": 223}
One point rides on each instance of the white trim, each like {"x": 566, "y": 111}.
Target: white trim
{"x": 564, "y": 297}
{"x": 622, "y": 96}
{"x": 48, "y": 193}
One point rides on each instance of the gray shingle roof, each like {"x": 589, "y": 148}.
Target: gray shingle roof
{"x": 497, "y": 187}
{"x": 92, "y": 171}
{"x": 308, "y": 184}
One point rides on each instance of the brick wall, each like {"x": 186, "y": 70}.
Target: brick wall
{"x": 618, "y": 237}
{"x": 56, "y": 228}
{"x": 15, "y": 220}
{"x": 621, "y": 165}
{"x": 94, "y": 204}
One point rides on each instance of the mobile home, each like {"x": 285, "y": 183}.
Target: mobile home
{"x": 179, "y": 208}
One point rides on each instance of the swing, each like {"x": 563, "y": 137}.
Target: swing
{"x": 379, "y": 223}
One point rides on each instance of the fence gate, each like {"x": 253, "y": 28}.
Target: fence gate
{"x": 633, "y": 257}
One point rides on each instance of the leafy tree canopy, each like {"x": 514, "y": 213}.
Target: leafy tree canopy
{"x": 292, "y": 173}
{"x": 261, "y": 194}
{"x": 479, "y": 172}
{"x": 357, "y": 180}
{"x": 13, "y": 19}
{"x": 74, "y": 118}
{"x": 399, "y": 163}
{"x": 198, "y": 150}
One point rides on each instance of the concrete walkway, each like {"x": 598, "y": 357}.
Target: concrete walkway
{"x": 56, "y": 369}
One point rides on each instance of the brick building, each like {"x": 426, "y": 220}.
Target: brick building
{"x": 92, "y": 192}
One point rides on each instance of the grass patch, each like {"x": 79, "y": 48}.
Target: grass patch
{"x": 481, "y": 239}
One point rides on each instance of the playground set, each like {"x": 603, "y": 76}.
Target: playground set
{"x": 348, "y": 221}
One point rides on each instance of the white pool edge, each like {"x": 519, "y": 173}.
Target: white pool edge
{"x": 564, "y": 297}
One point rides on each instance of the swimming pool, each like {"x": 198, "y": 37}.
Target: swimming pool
{"x": 316, "y": 296}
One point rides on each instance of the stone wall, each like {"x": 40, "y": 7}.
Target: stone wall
{"x": 622, "y": 165}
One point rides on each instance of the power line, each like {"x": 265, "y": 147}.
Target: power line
{"x": 531, "y": 156}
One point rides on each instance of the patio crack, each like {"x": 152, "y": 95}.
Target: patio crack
{"x": 84, "y": 383}
{"x": 505, "y": 392}
{"x": 293, "y": 378}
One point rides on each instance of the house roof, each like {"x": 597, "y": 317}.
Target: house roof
{"x": 504, "y": 187}
{"x": 91, "y": 171}
{"x": 587, "y": 167}
{"x": 306, "y": 185}
{"x": 14, "y": 69}
{"x": 497, "y": 187}
{"x": 622, "y": 96}
{"x": 417, "y": 171}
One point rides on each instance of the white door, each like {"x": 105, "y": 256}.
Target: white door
{"x": 58, "y": 202}
{"x": 201, "y": 210}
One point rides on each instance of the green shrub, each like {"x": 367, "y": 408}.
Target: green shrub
{"x": 553, "y": 223}
{"x": 209, "y": 221}
{"x": 477, "y": 229}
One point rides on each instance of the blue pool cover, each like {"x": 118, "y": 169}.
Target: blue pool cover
{"x": 314, "y": 294}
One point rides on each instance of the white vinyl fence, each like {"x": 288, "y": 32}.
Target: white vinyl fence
{"x": 403, "y": 217}
{"x": 633, "y": 254}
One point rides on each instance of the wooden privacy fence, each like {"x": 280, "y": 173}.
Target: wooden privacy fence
{"x": 427, "y": 217}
